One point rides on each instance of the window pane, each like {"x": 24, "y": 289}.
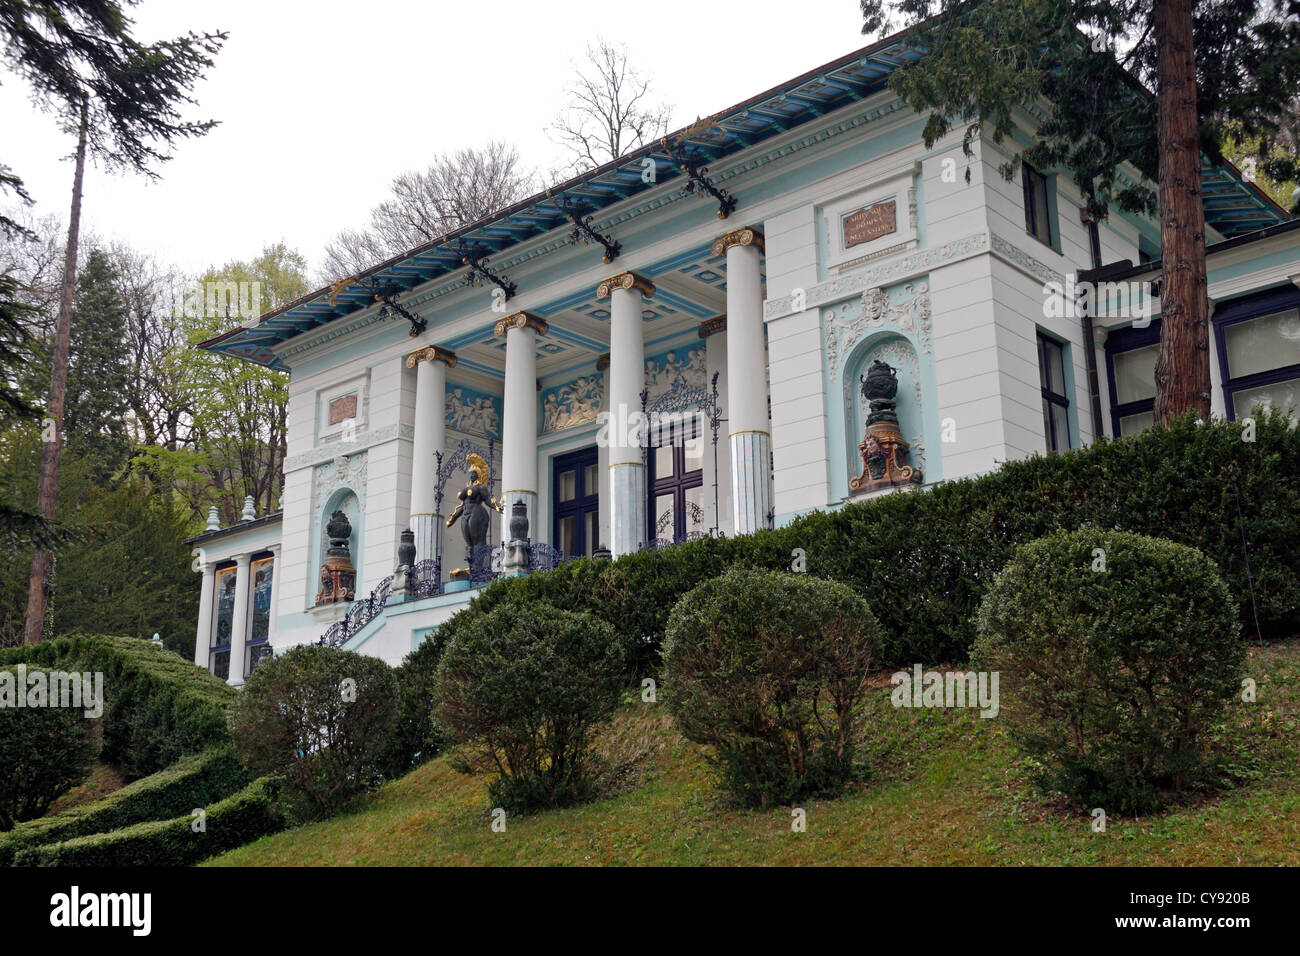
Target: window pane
{"x": 1263, "y": 344}
{"x": 225, "y": 615}
{"x": 566, "y": 531}
{"x": 1054, "y": 367}
{"x": 1036, "y": 221}
{"x": 694, "y": 454}
{"x": 664, "y": 516}
{"x": 1281, "y": 397}
{"x": 1132, "y": 424}
{"x": 694, "y": 509}
{"x": 591, "y": 480}
{"x": 568, "y": 485}
{"x": 1047, "y": 425}
{"x": 1061, "y": 425}
{"x": 664, "y": 461}
{"x": 1135, "y": 374}
{"x": 591, "y": 529}
{"x": 260, "y": 627}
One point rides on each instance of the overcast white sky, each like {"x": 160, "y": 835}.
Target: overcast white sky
{"x": 321, "y": 103}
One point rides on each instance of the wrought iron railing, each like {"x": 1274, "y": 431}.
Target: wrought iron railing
{"x": 359, "y": 615}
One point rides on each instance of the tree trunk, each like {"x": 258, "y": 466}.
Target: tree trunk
{"x": 1183, "y": 364}
{"x": 38, "y": 595}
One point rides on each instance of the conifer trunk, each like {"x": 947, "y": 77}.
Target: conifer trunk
{"x": 48, "y": 490}
{"x": 1183, "y": 364}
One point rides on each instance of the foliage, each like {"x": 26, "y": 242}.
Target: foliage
{"x": 94, "y": 411}
{"x": 987, "y": 60}
{"x": 44, "y": 751}
{"x": 251, "y": 813}
{"x": 158, "y": 706}
{"x": 322, "y": 718}
{"x": 923, "y": 560}
{"x": 416, "y": 737}
{"x": 193, "y": 781}
{"x": 1112, "y": 674}
{"x": 769, "y": 669}
{"x": 524, "y": 687}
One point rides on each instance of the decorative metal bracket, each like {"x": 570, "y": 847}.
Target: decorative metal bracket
{"x": 698, "y": 183}
{"x": 476, "y": 260}
{"x": 583, "y": 229}
{"x": 387, "y": 294}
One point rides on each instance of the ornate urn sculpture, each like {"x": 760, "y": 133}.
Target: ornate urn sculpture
{"x": 475, "y": 499}
{"x": 338, "y": 578}
{"x": 884, "y": 453}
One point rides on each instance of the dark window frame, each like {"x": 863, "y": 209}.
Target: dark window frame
{"x": 1126, "y": 340}
{"x": 1059, "y": 399}
{"x": 584, "y": 499}
{"x": 1029, "y": 178}
{"x": 1236, "y": 311}
{"x": 676, "y": 484}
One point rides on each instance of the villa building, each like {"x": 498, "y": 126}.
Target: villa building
{"x": 679, "y": 343}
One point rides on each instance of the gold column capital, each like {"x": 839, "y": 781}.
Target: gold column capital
{"x": 748, "y": 236}
{"x": 521, "y": 320}
{"x": 431, "y": 353}
{"x": 625, "y": 280}
{"x": 716, "y": 324}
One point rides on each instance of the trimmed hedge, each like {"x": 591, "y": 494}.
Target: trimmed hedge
{"x": 251, "y": 813}
{"x": 1114, "y": 674}
{"x": 193, "y": 781}
{"x": 923, "y": 560}
{"x": 158, "y": 706}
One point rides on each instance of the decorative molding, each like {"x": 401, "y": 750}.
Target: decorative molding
{"x": 472, "y": 412}
{"x": 665, "y": 371}
{"x": 892, "y": 271}
{"x": 1022, "y": 260}
{"x": 747, "y": 236}
{"x": 907, "y": 311}
{"x": 431, "y": 353}
{"x": 342, "y": 471}
{"x": 521, "y": 320}
{"x": 625, "y": 280}
{"x": 710, "y": 326}
{"x": 573, "y": 403}
{"x": 364, "y": 441}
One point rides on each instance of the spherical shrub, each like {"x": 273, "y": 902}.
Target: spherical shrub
{"x": 524, "y": 687}
{"x": 45, "y": 749}
{"x": 323, "y": 719}
{"x": 1116, "y": 654}
{"x": 770, "y": 669}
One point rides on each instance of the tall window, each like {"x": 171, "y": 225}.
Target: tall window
{"x": 262, "y": 572}
{"x": 1131, "y": 363}
{"x": 677, "y": 483}
{"x": 1259, "y": 352}
{"x": 223, "y": 620}
{"x": 1038, "y": 222}
{"x": 1056, "y": 401}
{"x": 575, "y": 514}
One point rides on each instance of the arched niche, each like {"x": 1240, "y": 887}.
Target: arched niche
{"x": 342, "y": 499}
{"x": 898, "y": 352}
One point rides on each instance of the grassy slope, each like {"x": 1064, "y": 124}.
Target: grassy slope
{"x": 947, "y": 788}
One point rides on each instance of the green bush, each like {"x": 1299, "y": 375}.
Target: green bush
{"x": 769, "y": 669}
{"x": 193, "y": 781}
{"x": 44, "y": 750}
{"x": 524, "y": 687}
{"x": 1112, "y": 674}
{"x": 415, "y": 736}
{"x": 323, "y": 719}
{"x": 251, "y": 813}
{"x": 158, "y": 706}
{"x": 923, "y": 561}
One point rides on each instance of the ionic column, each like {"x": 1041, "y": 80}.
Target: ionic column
{"x": 749, "y": 431}
{"x": 430, "y": 364}
{"x": 203, "y": 637}
{"x": 627, "y": 481}
{"x": 275, "y": 594}
{"x": 519, "y": 417}
{"x": 239, "y": 621}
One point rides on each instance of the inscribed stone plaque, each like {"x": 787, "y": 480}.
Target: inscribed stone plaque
{"x": 343, "y": 408}
{"x": 870, "y": 223}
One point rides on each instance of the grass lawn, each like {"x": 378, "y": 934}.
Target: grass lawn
{"x": 945, "y": 788}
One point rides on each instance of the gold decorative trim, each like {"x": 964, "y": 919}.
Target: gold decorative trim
{"x": 750, "y": 431}
{"x": 627, "y": 464}
{"x": 625, "y": 280}
{"x": 519, "y": 491}
{"x": 521, "y": 320}
{"x": 710, "y": 326}
{"x": 747, "y": 236}
{"x": 431, "y": 353}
